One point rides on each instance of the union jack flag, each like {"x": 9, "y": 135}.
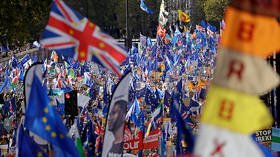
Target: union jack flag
{"x": 73, "y": 35}
{"x": 185, "y": 115}
{"x": 200, "y": 28}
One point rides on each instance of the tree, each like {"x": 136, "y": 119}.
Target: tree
{"x": 22, "y": 20}
{"x": 197, "y": 11}
{"x": 138, "y": 20}
{"x": 214, "y": 9}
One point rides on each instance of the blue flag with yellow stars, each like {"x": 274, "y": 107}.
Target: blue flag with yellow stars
{"x": 43, "y": 120}
{"x": 27, "y": 146}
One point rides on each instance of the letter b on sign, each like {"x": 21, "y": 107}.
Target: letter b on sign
{"x": 226, "y": 109}
{"x": 245, "y": 31}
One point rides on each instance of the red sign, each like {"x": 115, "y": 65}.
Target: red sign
{"x": 133, "y": 142}
{"x": 136, "y": 142}
{"x": 152, "y": 140}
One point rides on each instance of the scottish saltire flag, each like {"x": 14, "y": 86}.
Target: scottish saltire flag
{"x": 134, "y": 109}
{"x": 145, "y": 8}
{"x": 24, "y": 60}
{"x": 43, "y": 120}
{"x": 73, "y": 35}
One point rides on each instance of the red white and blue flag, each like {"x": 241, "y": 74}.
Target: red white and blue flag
{"x": 73, "y": 35}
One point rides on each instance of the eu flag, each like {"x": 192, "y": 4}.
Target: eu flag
{"x": 27, "y": 146}
{"x": 43, "y": 120}
{"x": 150, "y": 98}
{"x": 91, "y": 140}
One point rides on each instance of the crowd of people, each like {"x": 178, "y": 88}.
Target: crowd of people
{"x": 173, "y": 70}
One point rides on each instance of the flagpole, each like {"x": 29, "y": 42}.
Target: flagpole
{"x": 126, "y": 24}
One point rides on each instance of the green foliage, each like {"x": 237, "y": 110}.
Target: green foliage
{"x": 22, "y": 20}
{"x": 209, "y": 10}
{"x": 197, "y": 12}
{"x": 214, "y": 9}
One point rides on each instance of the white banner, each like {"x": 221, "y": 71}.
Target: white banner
{"x": 113, "y": 138}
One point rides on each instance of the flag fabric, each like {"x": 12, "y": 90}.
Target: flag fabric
{"x": 155, "y": 117}
{"x": 183, "y": 16}
{"x": 25, "y": 60}
{"x": 194, "y": 107}
{"x": 145, "y": 8}
{"x": 251, "y": 33}
{"x": 143, "y": 41}
{"x": 245, "y": 73}
{"x": 150, "y": 98}
{"x": 211, "y": 30}
{"x": 134, "y": 109}
{"x": 10, "y": 105}
{"x": 161, "y": 31}
{"x": 34, "y": 58}
{"x": 60, "y": 107}
{"x": 167, "y": 99}
{"x": 4, "y": 84}
{"x": 4, "y": 48}
{"x": 21, "y": 74}
{"x": 44, "y": 121}
{"x": 26, "y": 146}
{"x": 162, "y": 18}
{"x": 275, "y": 137}
{"x": 14, "y": 61}
{"x": 214, "y": 141}
{"x": 236, "y": 111}
{"x": 87, "y": 79}
{"x": 91, "y": 140}
{"x": 76, "y": 136}
{"x": 127, "y": 132}
{"x": 54, "y": 57}
{"x": 138, "y": 120}
{"x": 73, "y": 35}
{"x": 200, "y": 28}
{"x": 159, "y": 93}
{"x": 177, "y": 94}
{"x": 183, "y": 133}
